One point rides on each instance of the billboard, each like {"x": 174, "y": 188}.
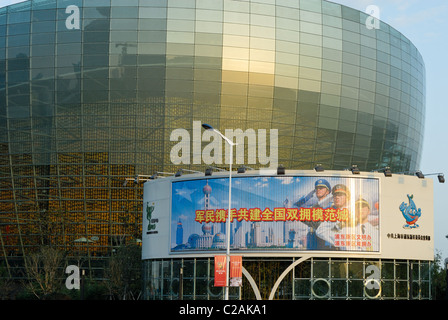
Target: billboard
{"x": 334, "y": 213}
{"x": 276, "y": 213}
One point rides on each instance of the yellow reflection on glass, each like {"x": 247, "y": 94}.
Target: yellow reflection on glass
{"x": 235, "y": 53}
{"x": 262, "y": 67}
{"x": 262, "y": 55}
{"x": 236, "y": 40}
{"x": 235, "y": 64}
{"x": 260, "y": 103}
{"x": 235, "y": 76}
{"x": 233, "y": 100}
{"x": 234, "y": 88}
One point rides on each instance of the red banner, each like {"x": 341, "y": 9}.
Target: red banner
{"x": 220, "y": 271}
{"x": 236, "y": 271}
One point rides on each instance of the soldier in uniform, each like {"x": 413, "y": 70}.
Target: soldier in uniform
{"x": 363, "y": 228}
{"x": 327, "y": 229}
{"x": 320, "y": 198}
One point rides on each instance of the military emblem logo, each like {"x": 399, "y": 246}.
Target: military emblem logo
{"x": 410, "y": 213}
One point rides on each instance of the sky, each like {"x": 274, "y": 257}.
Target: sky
{"x": 8, "y": 2}
{"x": 425, "y": 23}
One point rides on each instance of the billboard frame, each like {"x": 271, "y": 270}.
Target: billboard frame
{"x": 383, "y": 251}
{"x": 285, "y": 250}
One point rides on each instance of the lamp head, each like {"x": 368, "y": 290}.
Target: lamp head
{"x": 355, "y": 169}
{"x": 387, "y": 172}
{"x": 419, "y": 174}
{"x": 281, "y": 170}
{"x": 207, "y": 126}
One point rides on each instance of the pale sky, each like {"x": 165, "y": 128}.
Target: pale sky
{"x": 8, "y": 2}
{"x": 425, "y": 23}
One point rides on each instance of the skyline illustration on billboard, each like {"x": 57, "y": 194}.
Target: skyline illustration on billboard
{"x": 276, "y": 213}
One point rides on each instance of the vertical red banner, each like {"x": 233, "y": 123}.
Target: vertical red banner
{"x": 220, "y": 271}
{"x": 236, "y": 271}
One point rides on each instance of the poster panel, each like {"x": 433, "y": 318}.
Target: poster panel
{"x": 275, "y": 213}
{"x": 236, "y": 271}
{"x": 220, "y": 271}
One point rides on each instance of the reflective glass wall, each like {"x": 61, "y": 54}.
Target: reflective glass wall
{"x": 90, "y": 92}
{"x": 313, "y": 279}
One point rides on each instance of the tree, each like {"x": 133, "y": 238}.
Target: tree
{"x": 438, "y": 278}
{"x": 124, "y": 273}
{"x": 8, "y": 288}
{"x": 44, "y": 270}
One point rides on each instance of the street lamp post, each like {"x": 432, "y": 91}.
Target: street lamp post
{"x": 231, "y": 144}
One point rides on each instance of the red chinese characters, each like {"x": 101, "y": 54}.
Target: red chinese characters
{"x": 272, "y": 215}
{"x": 353, "y": 240}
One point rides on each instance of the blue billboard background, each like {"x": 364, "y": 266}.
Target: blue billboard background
{"x": 276, "y": 213}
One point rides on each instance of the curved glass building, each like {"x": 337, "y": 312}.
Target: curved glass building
{"x": 90, "y": 92}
